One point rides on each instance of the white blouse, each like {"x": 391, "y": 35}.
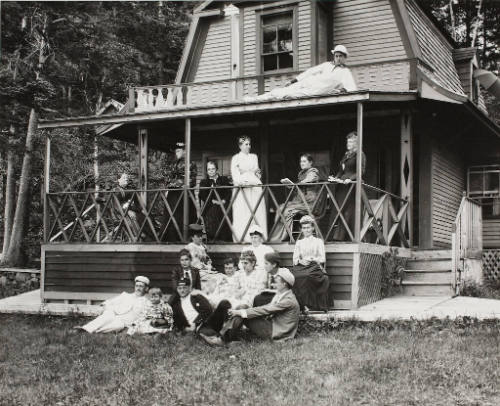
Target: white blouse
{"x": 244, "y": 167}
{"x": 307, "y": 248}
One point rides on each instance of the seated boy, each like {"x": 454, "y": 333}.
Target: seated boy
{"x": 272, "y": 263}
{"x": 157, "y": 316}
{"x": 187, "y": 271}
{"x": 196, "y": 247}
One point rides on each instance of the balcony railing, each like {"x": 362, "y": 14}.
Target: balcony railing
{"x": 162, "y": 215}
{"x": 166, "y": 97}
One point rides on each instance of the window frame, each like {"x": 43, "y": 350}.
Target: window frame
{"x": 260, "y": 14}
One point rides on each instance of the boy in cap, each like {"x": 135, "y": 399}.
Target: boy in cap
{"x": 277, "y": 320}
{"x": 157, "y": 316}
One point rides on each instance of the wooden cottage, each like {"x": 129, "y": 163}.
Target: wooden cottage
{"x": 420, "y": 118}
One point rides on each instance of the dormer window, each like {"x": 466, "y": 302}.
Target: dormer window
{"x": 277, "y": 43}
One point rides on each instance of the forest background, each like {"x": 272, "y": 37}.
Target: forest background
{"x": 61, "y": 59}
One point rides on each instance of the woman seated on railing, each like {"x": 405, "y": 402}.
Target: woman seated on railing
{"x": 301, "y": 202}
{"x": 311, "y": 281}
{"x": 212, "y": 205}
{"x": 343, "y": 178}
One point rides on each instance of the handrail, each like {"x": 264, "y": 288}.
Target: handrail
{"x": 157, "y": 215}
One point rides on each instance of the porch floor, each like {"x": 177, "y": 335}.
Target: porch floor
{"x": 397, "y": 307}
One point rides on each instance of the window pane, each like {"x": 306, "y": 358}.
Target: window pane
{"x": 270, "y": 62}
{"x": 285, "y": 37}
{"x": 285, "y": 61}
{"x": 269, "y": 42}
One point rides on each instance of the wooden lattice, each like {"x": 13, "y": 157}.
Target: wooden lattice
{"x": 370, "y": 279}
{"x": 491, "y": 264}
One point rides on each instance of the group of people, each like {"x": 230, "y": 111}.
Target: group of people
{"x": 226, "y": 221}
{"x": 254, "y": 290}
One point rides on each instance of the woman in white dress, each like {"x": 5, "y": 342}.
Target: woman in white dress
{"x": 311, "y": 281}
{"x": 245, "y": 172}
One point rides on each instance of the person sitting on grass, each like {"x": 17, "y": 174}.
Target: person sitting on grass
{"x": 187, "y": 271}
{"x": 121, "y": 311}
{"x": 251, "y": 281}
{"x": 277, "y": 320}
{"x": 196, "y": 247}
{"x": 194, "y": 312}
{"x": 157, "y": 316}
{"x": 272, "y": 262}
{"x": 208, "y": 273}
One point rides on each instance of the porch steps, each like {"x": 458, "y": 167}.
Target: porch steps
{"x": 428, "y": 273}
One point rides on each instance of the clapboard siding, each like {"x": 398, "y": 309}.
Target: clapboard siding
{"x": 448, "y": 184}
{"x": 386, "y": 76}
{"x": 215, "y": 58}
{"x": 436, "y": 51}
{"x": 465, "y": 75}
{"x": 368, "y": 29}
{"x": 114, "y": 272}
{"x": 491, "y": 233}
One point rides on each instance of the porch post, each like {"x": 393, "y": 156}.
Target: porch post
{"x": 143, "y": 163}
{"x": 407, "y": 169}
{"x": 187, "y": 161}
{"x": 359, "y": 173}
{"x": 46, "y": 184}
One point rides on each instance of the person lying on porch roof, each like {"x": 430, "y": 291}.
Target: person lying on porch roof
{"x": 121, "y": 311}
{"x": 324, "y": 79}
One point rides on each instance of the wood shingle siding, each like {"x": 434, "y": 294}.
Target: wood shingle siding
{"x": 387, "y": 76}
{"x": 448, "y": 184}
{"x": 436, "y": 51}
{"x": 368, "y": 29}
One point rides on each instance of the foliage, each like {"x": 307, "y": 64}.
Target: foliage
{"x": 392, "y": 272}
{"x": 15, "y": 283}
{"x": 489, "y": 289}
{"x": 43, "y": 362}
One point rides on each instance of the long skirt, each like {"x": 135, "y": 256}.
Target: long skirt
{"x": 311, "y": 286}
{"x": 242, "y": 212}
{"x": 293, "y": 208}
{"x": 213, "y": 217}
{"x": 340, "y": 232}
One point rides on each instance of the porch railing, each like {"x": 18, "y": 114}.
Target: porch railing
{"x": 466, "y": 238}
{"x": 160, "y": 216}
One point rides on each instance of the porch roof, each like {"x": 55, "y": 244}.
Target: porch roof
{"x": 224, "y": 109}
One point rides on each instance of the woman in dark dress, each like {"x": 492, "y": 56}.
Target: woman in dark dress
{"x": 345, "y": 176}
{"x": 311, "y": 281}
{"x": 210, "y": 204}
{"x": 300, "y": 203}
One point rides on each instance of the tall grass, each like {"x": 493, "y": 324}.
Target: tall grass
{"x": 43, "y": 362}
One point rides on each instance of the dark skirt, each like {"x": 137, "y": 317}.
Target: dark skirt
{"x": 311, "y": 286}
{"x": 212, "y": 218}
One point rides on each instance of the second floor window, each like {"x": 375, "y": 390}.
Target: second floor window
{"x": 277, "y": 42}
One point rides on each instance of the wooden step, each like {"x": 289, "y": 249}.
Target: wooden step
{"x": 429, "y": 265}
{"x": 431, "y": 254}
{"x": 432, "y": 277}
{"x": 426, "y": 289}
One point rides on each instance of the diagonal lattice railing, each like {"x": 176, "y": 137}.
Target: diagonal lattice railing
{"x": 159, "y": 216}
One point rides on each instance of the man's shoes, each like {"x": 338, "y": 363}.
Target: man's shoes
{"x": 213, "y": 341}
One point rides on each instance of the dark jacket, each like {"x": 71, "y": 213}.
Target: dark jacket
{"x": 175, "y": 178}
{"x": 225, "y": 194}
{"x": 195, "y": 277}
{"x": 200, "y": 304}
{"x": 347, "y": 168}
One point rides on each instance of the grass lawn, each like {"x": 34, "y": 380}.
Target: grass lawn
{"x": 43, "y": 362}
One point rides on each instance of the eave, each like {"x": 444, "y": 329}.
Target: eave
{"x": 230, "y": 109}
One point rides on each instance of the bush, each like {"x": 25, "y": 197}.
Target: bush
{"x": 489, "y": 289}
{"x": 392, "y": 272}
{"x": 15, "y": 283}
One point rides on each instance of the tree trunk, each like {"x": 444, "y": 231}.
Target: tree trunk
{"x": 15, "y": 255}
{"x": 10, "y": 189}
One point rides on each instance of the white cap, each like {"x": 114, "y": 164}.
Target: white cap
{"x": 255, "y": 229}
{"x": 340, "y": 48}
{"x": 286, "y": 275}
{"x": 142, "y": 279}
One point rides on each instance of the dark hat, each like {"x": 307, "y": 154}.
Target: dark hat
{"x": 273, "y": 257}
{"x": 184, "y": 282}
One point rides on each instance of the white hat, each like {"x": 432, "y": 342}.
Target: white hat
{"x": 142, "y": 279}
{"x": 340, "y": 48}
{"x": 286, "y": 275}
{"x": 255, "y": 229}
